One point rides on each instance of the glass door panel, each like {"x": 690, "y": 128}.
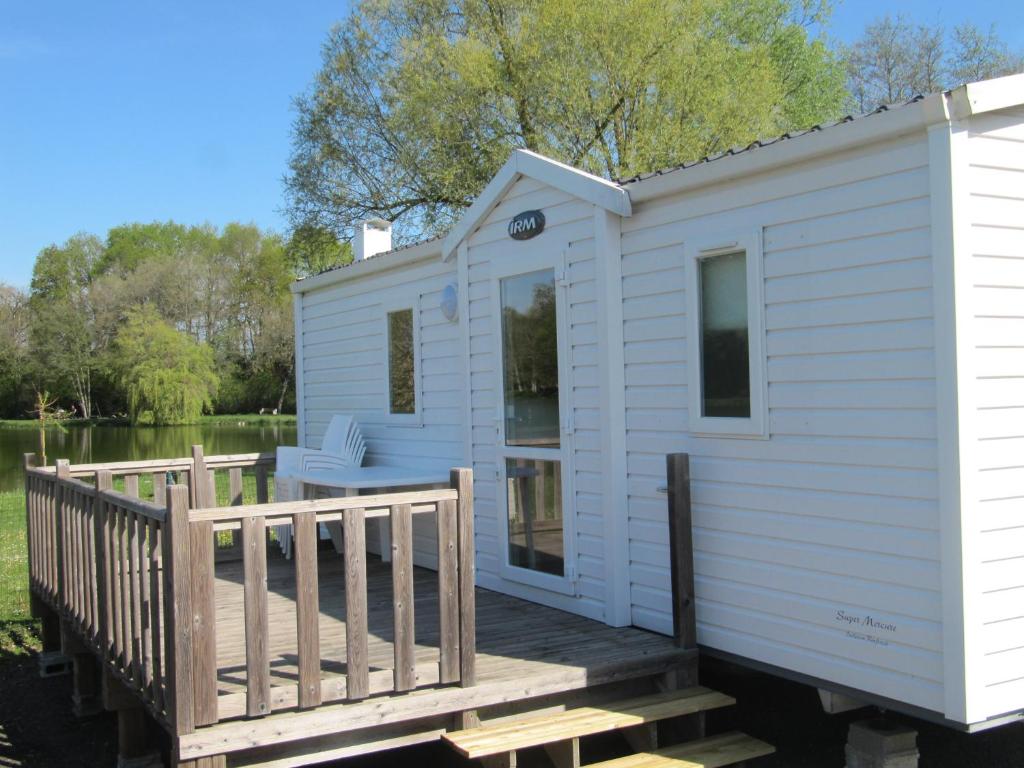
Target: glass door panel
{"x": 535, "y": 525}
{"x": 531, "y": 426}
{"x": 529, "y": 332}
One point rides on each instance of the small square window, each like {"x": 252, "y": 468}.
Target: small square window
{"x": 401, "y": 363}
{"x": 725, "y": 330}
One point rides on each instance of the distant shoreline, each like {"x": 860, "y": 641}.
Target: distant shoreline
{"x": 219, "y": 418}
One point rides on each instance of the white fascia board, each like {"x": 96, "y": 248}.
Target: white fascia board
{"x": 487, "y": 199}
{"x": 837, "y": 138}
{"x": 586, "y": 186}
{"x": 988, "y": 96}
{"x": 382, "y": 262}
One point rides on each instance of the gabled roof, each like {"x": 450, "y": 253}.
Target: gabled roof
{"x": 601, "y": 192}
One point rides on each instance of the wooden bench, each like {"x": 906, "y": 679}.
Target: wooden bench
{"x": 507, "y": 737}
{"x": 713, "y": 752}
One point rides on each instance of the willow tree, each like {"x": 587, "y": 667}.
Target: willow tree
{"x": 168, "y": 376}
{"x": 419, "y": 102}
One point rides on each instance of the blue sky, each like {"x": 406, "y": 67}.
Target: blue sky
{"x": 137, "y": 111}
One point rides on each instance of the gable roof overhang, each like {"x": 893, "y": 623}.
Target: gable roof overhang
{"x": 586, "y": 186}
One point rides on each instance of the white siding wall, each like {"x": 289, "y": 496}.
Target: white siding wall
{"x": 836, "y": 514}
{"x": 570, "y": 224}
{"x": 344, "y": 371}
{"x": 996, "y": 183}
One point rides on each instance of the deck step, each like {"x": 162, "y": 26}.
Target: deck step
{"x": 713, "y": 752}
{"x": 533, "y": 731}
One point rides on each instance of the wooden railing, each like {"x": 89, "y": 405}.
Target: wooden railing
{"x": 135, "y": 580}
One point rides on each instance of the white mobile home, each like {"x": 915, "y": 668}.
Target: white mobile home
{"x": 831, "y": 325}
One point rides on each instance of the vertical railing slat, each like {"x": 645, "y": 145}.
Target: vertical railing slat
{"x": 402, "y": 597}
{"x": 307, "y": 608}
{"x": 145, "y": 613}
{"x": 123, "y": 590}
{"x": 159, "y": 488}
{"x": 462, "y": 481}
{"x": 257, "y": 621}
{"x": 177, "y": 566}
{"x": 262, "y": 485}
{"x": 131, "y": 486}
{"x": 356, "y": 615}
{"x": 135, "y": 593}
{"x": 154, "y": 611}
{"x": 204, "y": 626}
{"x": 104, "y": 482}
{"x": 63, "y": 472}
{"x": 448, "y": 590}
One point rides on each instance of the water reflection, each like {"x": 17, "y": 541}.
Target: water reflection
{"x": 82, "y": 445}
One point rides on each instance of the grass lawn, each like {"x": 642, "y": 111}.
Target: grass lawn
{"x": 18, "y": 631}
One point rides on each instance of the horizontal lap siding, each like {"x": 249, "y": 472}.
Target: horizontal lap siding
{"x": 568, "y": 221}
{"x": 996, "y": 184}
{"x": 343, "y": 338}
{"x": 836, "y": 514}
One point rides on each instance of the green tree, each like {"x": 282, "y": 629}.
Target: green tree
{"x": 62, "y": 331}
{"x": 169, "y": 378}
{"x": 13, "y": 349}
{"x": 312, "y": 249}
{"x": 896, "y": 59}
{"x": 419, "y": 102}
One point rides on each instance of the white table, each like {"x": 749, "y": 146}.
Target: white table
{"x": 351, "y": 481}
{"x": 362, "y": 478}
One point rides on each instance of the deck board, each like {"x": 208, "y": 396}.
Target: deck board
{"x": 515, "y": 639}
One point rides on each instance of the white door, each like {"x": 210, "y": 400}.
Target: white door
{"x": 534, "y": 427}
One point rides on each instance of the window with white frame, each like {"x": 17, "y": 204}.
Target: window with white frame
{"x": 726, "y": 335}
{"x": 402, "y": 363}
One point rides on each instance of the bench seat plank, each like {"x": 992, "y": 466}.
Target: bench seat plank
{"x": 584, "y": 721}
{"x": 713, "y": 752}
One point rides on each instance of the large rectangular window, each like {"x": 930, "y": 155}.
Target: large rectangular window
{"x": 401, "y": 363}
{"x": 725, "y": 337}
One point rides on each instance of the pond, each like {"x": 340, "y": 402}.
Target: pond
{"x": 82, "y": 444}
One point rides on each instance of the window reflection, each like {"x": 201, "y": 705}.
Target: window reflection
{"x": 535, "y": 515}
{"x": 725, "y": 350}
{"x": 530, "y": 365}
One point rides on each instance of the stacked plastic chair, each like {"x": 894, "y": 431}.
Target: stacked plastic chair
{"x": 342, "y": 446}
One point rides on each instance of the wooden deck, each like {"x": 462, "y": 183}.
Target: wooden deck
{"x": 248, "y": 659}
{"x": 515, "y": 638}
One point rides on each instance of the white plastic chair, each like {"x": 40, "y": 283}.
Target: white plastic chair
{"x": 342, "y": 446}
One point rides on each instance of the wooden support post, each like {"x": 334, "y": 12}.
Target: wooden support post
{"x": 135, "y": 748}
{"x": 28, "y": 461}
{"x": 462, "y": 481}
{"x": 200, "y": 485}
{"x": 85, "y": 674}
{"x": 448, "y": 590}
{"x": 564, "y": 754}
{"x": 204, "y": 623}
{"x": 63, "y": 473}
{"x": 178, "y": 611}
{"x": 680, "y": 532}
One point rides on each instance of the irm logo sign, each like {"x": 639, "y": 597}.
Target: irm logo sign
{"x": 526, "y": 225}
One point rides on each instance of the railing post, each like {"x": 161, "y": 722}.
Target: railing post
{"x": 178, "y": 610}
{"x": 63, "y": 473}
{"x": 462, "y": 482}
{"x": 28, "y": 462}
{"x": 680, "y": 534}
{"x": 200, "y": 481}
{"x": 104, "y": 621}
